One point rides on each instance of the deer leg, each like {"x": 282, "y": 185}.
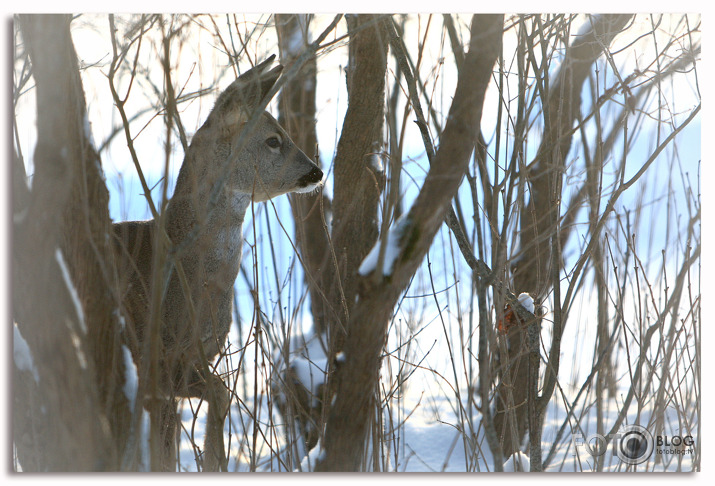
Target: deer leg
{"x": 164, "y": 408}
{"x": 214, "y": 392}
{"x": 214, "y": 452}
{"x": 169, "y": 421}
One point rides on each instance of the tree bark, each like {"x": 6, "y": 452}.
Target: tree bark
{"x": 358, "y": 183}
{"x": 540, "y": 217}
{"x": 297, "y": 115}
{"x": 351, "y": 413}
{"x": 562, "y": 105}
{"x": 65, "y": 301}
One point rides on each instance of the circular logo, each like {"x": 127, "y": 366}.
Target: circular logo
{"x": 635, "y": 444}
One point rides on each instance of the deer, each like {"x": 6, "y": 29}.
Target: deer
{"x": 177, "y": 271}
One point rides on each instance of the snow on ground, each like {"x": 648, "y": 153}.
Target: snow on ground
{"x": 429, "y": 438}
{"x": 518, "y": 462}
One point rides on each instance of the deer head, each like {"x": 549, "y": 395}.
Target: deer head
{"x": 257, "y": 159}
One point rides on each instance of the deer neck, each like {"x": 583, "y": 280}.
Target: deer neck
{"x": 206, "y": 216}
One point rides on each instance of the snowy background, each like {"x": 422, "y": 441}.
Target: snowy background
{"x": 427, "y": 418}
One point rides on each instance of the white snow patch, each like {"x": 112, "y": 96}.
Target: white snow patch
{"x": 308, "y": 360}
{"x": 526, "y": 301}
{"x": 131, "y": 379}
{"x": 517, "y": 462}
{"x": 376, "y": 162}
{"x": 145, "y": 463}
{"x": 311, "y": 374}
{"x": 73, "y": 291}
{"x": 22, "y": 354}
{"x": 392, "y": 249}
{"x": 315, "y": 455}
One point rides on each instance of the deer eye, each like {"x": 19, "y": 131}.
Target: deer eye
{"x": 273, "y": 142}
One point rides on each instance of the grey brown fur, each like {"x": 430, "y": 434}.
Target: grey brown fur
{"x": 203, "y": 222}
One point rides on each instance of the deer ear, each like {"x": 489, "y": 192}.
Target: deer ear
{"x": 267, "y": 80}
{"x": 243, "y": 95}
{"x": 260, "y": 67}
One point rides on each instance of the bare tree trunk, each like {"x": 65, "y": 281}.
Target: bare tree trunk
{"x": 350, "y": 415}
{"x": 605, "y": 379}
{"x": 331, "y": 259}
{"x": 64, "y": 277}
{"x": 297, "y": 115}
{"x": 540, "y": 217}
{"x": 358, "y": 182}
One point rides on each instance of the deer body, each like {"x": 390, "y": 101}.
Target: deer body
{"x": 203, "y": 221}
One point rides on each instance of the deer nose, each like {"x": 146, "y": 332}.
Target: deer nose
{"x": 313, "y": 177}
